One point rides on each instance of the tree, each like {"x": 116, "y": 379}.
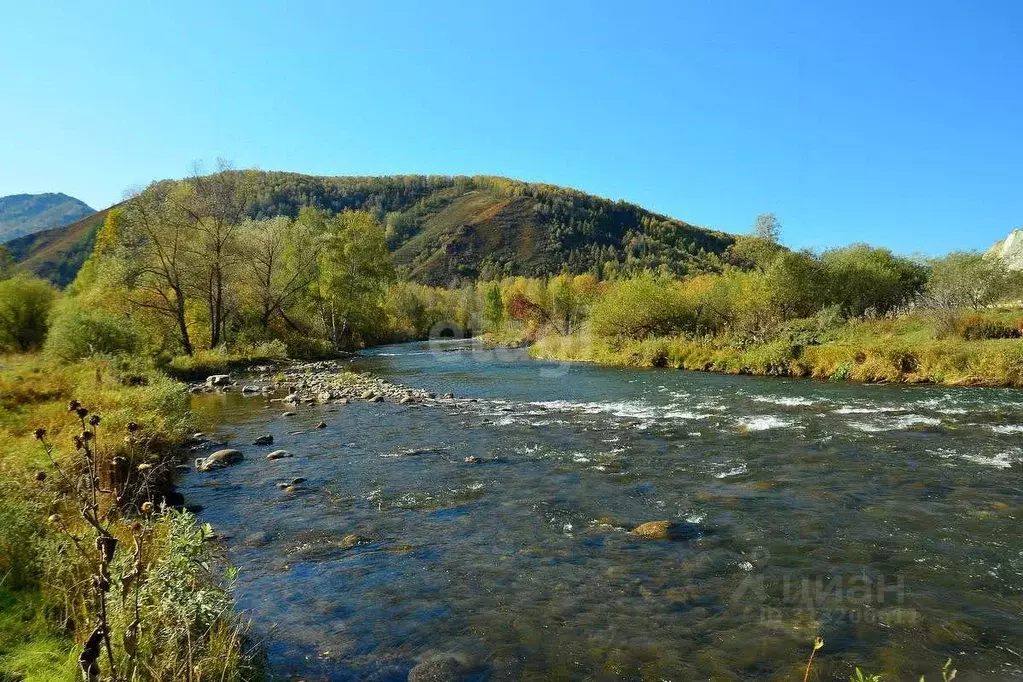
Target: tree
{"x": 965, "y": 279}
{"x": 767, "y": 228}
{"x": 641, "y": 307}
{"x": 154, "y": 256}
{"x": 354, "y": 270}
{"x": 25, "y": 304}
{"x": 213, "y": 204}
{"x": 280, "y": 257}
{"x": 6, "y": 262}
{"x": 493, "y": 305}
{"x": 866, "y": 280}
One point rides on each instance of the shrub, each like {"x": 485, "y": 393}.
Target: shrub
{"x": 77, "y": 334}
{"x": 642, "y": 307}
{"x": 978, "y": 328}
{"x": 25, "y": 304}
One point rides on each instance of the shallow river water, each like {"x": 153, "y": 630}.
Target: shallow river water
{"x": 886, "y": 519}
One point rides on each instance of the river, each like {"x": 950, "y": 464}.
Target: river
{"x": 886, "y": 519}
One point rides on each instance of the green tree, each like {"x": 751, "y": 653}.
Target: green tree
{"x": 354, "y": 270}
{"x": 965, "y": 279}
{"x": 6, "y": 262}
{"x": 493, "y": 305}
{"x": 25, "y": 304}
{"x": 866, "y": 280}
{"x": 641, "y": 307}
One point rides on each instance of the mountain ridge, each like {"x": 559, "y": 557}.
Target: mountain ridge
{"x": 442, "y": 229}
{"x": 26, "y": 214}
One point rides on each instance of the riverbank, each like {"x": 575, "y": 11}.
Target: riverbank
{"x": 48, "y": 605}
{"x": 879, "y": 351}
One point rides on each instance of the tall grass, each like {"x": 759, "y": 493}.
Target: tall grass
{"x": 47, "y": 600}
{"x": 905, "y": 350}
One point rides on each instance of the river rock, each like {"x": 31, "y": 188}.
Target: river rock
{"x": 437, "y": 670}
{"x": 219, "y": 460}
{"x": 407, "y": 400}
{"x": 218, "y": 380}
{"x": 473, "y": 459}
{"x": 288, "y": 414}
{"x": 251, "y": 389}
{"x": 377, "y": 399}
{"x": 654, "y": 530}
{"x": 368, "y": 395}
{"x": 353, "y": 540}
{"x": 321, "y": 425}
{"x": 264, "y": 440}
{"x": 291, "y": 398}
{"x": 278, "y": 454}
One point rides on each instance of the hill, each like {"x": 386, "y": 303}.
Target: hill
{"x": 442, "y": 229}
{"x": 58, "y": 253}
{"x": 23, "y": 214}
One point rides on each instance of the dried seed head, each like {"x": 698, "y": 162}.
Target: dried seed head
{"x": 40, "y": 433}
{"x": 86, "y": 436}
{"x": 132, "y": 427}
{"x": 81, "y": 412}
{"x": 94, "y": 420}
{"x": 73, "y": 405}
{"x": 79, "y": 444}
{"x": 40, "y": 476}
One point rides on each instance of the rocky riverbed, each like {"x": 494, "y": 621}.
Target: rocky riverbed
{"x": 324, "y": 382}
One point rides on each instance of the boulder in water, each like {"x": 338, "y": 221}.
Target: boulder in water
{"x": 219, "y": 460}
{"x": 264, "y": 440}
{"x": 218, "y": 380}
{"x": 278, "y": 454}
{"x": 654, "y": 530}
{"x": 353, "y": 540}
{"x": 288, "y": 414}
{"x": 321, "y": 425}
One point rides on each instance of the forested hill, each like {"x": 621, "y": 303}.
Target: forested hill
{"x": 442, "y": 229}
{"x": 22, "y": 214}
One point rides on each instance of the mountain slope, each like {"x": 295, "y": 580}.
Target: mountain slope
{"x": 58, "y": 253}
{"x": 22, "y": 214}
{"x": 443, "y": 229}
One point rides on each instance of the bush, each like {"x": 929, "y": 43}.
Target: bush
{"x": 78, "y": 334}
{"x": 25, "y": 304}
{"x": 640, "y": 308}
{"x": 978, "y": 328}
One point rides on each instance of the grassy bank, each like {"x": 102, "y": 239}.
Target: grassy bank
{"x": 907, "y": 349}
{"x": 167, "y": 607}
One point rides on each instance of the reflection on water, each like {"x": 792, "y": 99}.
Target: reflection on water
{"x": 884, "y": 518}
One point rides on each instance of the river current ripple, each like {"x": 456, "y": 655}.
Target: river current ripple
{"x": 886, "y": 519}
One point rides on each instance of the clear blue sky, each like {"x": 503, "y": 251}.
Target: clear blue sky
{"x": 896, "y": 123}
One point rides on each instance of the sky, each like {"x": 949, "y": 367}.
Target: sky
{"x": 898, "y": 123}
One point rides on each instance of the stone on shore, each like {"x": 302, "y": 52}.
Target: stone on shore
{"x": 218, "y": 380}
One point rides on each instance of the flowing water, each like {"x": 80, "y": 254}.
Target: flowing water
{"x": 886, "y": 519}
